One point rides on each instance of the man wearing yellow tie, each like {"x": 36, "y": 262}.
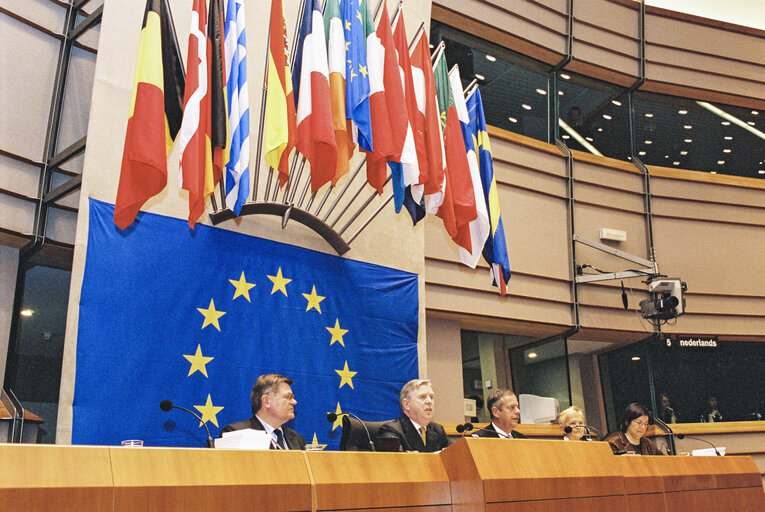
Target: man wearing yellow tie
{"x": 416, "y": 429}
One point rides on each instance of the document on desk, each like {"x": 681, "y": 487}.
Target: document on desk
{"x": 246, "y": 439}
{"x": 709, "y": 451}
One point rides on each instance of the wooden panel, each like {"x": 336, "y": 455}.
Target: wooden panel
{"x": 165, "y": 480}
{"x": 48, "y": 477}
{"x": 605, "y": 503}
{"x": 388, "y": 481}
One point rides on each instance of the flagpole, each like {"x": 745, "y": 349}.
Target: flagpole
{"x": 259, "y": 151}
{"x": 361, "y": 209}
{"x": 337, "y": 199}
{"x": 470, "y": 86}
{"x": 369, "y": 220}
{"x": 356, "y": 195}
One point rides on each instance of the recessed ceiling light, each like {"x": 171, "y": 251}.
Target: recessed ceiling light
{"x": 629, "y": 158}
{"x": 726, "y": 150}
{"x": 687, "y": 127}
{"x": 728, "y": 137}
{"x": 589, "y": 139}
{"x": 564, "y": 76}
{"x": 480, "y": 77}
{"x": 750, "y": 123}
{"x": 617, "y": 103}
{"x": 675, "y": 163}
{"x": 683, "y": 153}
{"x": 688, "y": 140}
{"x": 648, "y": 114}
{"x": 721, "y": 162}
{"x": 527, "y": 107}
{"x": 607, "y": 117}
{"x": 755, "y": 113}
{"x": 636, "y": 358}
{"x": 649, "y": 142}
{"x": 542, "y": 92}
{"x": 600, "y": 129}
{"x": 565, "y": 136}
{"x": 666, "y": 156}
{"x": 27, "y": 312}
{"x": 491, "y": 58}
{"x": 713, "y": 172}
{"x": 560, "y": 93}
{"x": 761, "y": 171}
{"x": 513, "y": 120}
{"x": 725, "y": 123}
{"x": 682, "y": 112}
{"x": 532, "y": 355}
{"x": 641, "y": 153}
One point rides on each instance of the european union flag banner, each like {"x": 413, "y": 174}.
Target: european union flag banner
{"x": 196, "y": 316}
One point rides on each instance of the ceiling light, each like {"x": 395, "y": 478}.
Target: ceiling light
{"x": 683, "y": 153}
{"x": 617, "y": 103}
{"x": 635, "y": 358}
{"x": 713, "y": 172}
{"x": 761, "y": 171}
{"x": 27, "y": 312}
{"x": 666, "y": 156}
{"x": 480, "y": 77}
{"x": 649, "y": 142}
{"x": 755, "y": 113}
{"x": 491, "y": 58}
{"x": 682, "y": 112}
{"x": 725, "y": 123}
{"x": 607, "y": 117}
{"x": 565, "y": 136}
{"x": 588, "y": 139}
{"x": 648, "y": 114}
{"x": 688, "y": 140}
{"x": 687, "y": 127}
{"x": 726, "y": 150}
{"x": 560, "y": 93}
{"x": 721, "y": 162}
{"x": 542, "y": 92}
{"x": 728, "y": 137}
{"x": 675, "y": 163}
{"x": 527, "y": 107}
{"x": 532, "y": 355}
{"x": 564, "y": 76}
{"x": 600, "y": 129}
{"x": 641, "y": 153}
{"x": 750, "y": 123}
{"x": 513, "y": 120}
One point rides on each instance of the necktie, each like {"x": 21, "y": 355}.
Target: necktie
{"x": 422, "y": 435}
{"x": 280, "y": 439}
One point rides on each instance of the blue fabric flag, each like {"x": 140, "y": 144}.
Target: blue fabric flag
{"x": 196, "y": 317}
{"x": 356, "y": 74}
{"x": 495, "y": 249}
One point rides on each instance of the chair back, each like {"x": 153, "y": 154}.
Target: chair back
{"x": 354, "y": 436}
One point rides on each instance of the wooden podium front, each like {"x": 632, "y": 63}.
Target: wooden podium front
{"x": 528, "y": 475}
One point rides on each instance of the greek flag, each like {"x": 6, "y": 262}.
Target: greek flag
{"x": 237, "y": 167}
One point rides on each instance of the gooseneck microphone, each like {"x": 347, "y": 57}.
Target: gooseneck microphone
{"x": 670, "y": 433}
{"x": 587, "y": 430}
{"x": 464, "y": 428}
{"x": 332, "y": 417}
{"x": 683, "y": 436}
{"x": 167, "y": 405}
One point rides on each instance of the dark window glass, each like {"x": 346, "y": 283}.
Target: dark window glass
{"x": 542, "y": 369}
{"x": 698, "y": 135}
{"x": 624, "y": 378}
{"x": 514, "y": 88}
{"x": 594, "y": 116}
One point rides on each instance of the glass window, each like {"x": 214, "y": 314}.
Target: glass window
{"x": 624, "y": 379}
{"x": 514, "y": 88}
{"x": 542, "y": 369}
{"x": 698, "y": 135}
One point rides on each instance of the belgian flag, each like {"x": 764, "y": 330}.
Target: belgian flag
{"x": 156, "y": 110}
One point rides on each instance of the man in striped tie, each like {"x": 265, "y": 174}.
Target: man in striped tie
{"x": 273, "y": 405}
{"x": 416, "y": 429}
{"x": 502, "y": 405}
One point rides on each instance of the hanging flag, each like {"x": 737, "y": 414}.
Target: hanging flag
{"x": 408, "y": 192}
{"x": 495, "y": 250}
{"x": 156, "y": 109}
{"x": 280, "y": 128}
{"x": 334, "y": 32}
{"x": 202, "y": 315}
{"x": 237, "y": 164}
{"x": 427, "y": 130}
{"x": 315, "y": 130}
{"x": 458, "y": 208}
{"x": 195, "y": 151}
{"x": 217, "y": 85}
{"x": 479, "y": 228}
{"x": 356, "y": 73}
{"x": 386, "y": 99}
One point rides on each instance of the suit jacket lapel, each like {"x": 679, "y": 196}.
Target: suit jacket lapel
{"x": 411, "y": 435}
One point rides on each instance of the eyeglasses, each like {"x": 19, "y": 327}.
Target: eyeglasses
{"x": 640, "y": 424}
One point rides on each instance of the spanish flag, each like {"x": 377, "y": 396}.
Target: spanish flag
{"x": 156, "y": 109}
{"x": 280, "y": 129}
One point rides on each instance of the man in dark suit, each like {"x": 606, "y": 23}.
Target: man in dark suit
{"x": 502, "y": 405}
{"x": 273, "y": 405}
{"x": 415, "y": 429}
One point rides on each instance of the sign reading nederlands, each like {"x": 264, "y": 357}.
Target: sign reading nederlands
{"x": 702, "y": 342}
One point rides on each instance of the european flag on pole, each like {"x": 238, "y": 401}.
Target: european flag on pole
{"x": 356, "y": 72}
{"x": 196, "y": 317}
{"x": 495, "y": 249}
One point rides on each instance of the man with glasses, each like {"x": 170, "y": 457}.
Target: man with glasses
{"x": 502, "y": 405}
{"x": 273, "y": 405}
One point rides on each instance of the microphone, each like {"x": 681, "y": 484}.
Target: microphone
{"x": 670, "y": 434}
{"x": 587, "y": 430}
{"x": 683, "y": 436}
{"x": 332, "y": 417}
{"x": 464, "y": 428}
{"x": 167, "y": 405}
{"x": 624, "y": 297}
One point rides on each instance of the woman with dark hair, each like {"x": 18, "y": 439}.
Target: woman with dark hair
{"x": 630, "y": 439}
{"x": 666, "y": 412}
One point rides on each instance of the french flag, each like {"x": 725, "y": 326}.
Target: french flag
{"x": 315, "y": 131}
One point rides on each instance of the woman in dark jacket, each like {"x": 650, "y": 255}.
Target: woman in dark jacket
{"x": 630, "y": 439}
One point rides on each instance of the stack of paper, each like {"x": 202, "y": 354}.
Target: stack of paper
{"x": 247, "y": 439}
